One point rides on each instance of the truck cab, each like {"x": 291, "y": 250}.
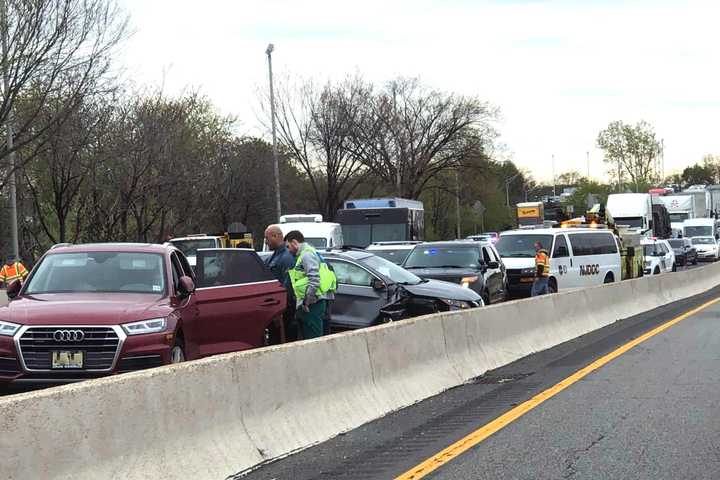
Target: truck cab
{"x": 633, "y": 210}
{"x": 190, "y": 244}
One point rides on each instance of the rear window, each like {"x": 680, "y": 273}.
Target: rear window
{"x": 395, "y": 256}
{"x": 676, "y": 243}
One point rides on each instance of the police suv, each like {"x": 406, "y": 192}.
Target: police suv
{"x": 579, "y": 257}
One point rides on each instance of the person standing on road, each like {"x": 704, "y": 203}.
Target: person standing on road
{"x": 12, "y": 270}
{"x": 313, "y": 283}
{"x": 279, "y": 264}
{"x": 542, "y": 271}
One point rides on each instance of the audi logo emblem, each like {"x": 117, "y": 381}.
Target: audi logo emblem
{"x": 69, "y": 335}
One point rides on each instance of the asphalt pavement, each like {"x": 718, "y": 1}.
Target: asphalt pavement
{"x": 652, "y": 412}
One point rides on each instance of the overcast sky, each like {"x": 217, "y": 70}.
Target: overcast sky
{"x": 560, "y": 71}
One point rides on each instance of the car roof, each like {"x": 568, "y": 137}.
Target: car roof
{"x": 554, "y": 231}
{"x": 452, "y": 243}
{"x": 112, "y": 247}
{"x": 350, "y": 254}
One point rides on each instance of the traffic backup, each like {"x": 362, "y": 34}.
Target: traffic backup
{"x": 91, "y": 310}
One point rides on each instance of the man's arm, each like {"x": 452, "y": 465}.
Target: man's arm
{"x": 311, "y": 265}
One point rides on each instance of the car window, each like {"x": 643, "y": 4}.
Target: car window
{"x": 187, "y": 269}
{"x": 495, "y": 255}
{"x": 230, "y": 267}
{"x": 560, "y": 242}
{"x": 395, "y": 256}
{"x": 177, "y": 271}
{"x": 486, "y": 255}
{"x": 351, "y": 274}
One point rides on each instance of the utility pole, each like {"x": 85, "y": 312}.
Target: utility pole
{"x": 662, "y": 158}
{"x": 457, "y": 201}
{"x": 9, "y": 133}
{"x": 276, "y": 167}
{"x": 587, "y": 157}
{"x": 553, "y": 174}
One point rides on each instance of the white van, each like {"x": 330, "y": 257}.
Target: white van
{"x": 579, "y": 257}
{"x": 317, "y": 233}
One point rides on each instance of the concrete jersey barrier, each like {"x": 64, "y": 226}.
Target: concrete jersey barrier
{"x": 214, "y": 417}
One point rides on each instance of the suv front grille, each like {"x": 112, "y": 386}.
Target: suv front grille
{"x": 99, "y": 345}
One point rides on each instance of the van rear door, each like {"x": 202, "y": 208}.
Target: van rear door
{"x": 237, "y": 298}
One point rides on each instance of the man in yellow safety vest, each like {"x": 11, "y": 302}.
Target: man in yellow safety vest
{"x": 12, "y": 270}
{"x": 542, "y": 271}
{"x": 313, "y": 284}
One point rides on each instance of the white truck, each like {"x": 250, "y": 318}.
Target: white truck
{"x": 633, "y": 210}
{"x": 700, "y": 200}
{"x": 317, "y": 233}
{"x": 680, "y": 208}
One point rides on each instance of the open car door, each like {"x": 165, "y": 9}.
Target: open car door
{"x": 237, "y": 298}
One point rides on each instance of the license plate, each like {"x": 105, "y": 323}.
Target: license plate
{"x": 67, "y": 359}
{"x": 527, "y": 280}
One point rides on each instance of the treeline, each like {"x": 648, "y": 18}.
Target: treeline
{"x": 95, "y": 161}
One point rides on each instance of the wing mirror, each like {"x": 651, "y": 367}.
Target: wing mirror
{"x": 13, "y": 289}
{"x": 493, "y": 265}
{"x": 378, "y": 284}
{"x": 186, "y": 286}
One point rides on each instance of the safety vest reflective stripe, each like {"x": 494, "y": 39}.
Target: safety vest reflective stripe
{"x": 542, "y": 258}
{"x": 8, "y": 273}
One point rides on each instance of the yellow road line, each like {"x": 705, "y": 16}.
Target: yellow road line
{"x": 466, "y": 443}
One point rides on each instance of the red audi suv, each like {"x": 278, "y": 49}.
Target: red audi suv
{"x": 97, "y": 309}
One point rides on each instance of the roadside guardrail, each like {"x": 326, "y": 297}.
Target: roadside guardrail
{"x": 215, "y": 417}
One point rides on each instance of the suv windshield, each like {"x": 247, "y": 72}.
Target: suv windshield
{"x": 698, "y": 231}
{"x": 651, "y": 250}
{"x": 521, "y": 246}
{"x": 190, "y": 247}
{"x": 108, "y": 272}
{"x": 390, "y": 270}
{"x": 429, "y": 256}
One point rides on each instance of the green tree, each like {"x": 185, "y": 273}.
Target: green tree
{"x": 631, "y": 149}
{"x": 698, "y": 174}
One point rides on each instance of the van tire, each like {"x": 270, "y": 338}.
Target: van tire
{"x": 552, "y": 286}
{"x": 609, "y": 278}
{"x": 656, "y": 271}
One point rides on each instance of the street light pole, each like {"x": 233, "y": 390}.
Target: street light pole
{"x": 507, "y": 188}
{"x": 9, "y": 134}
{"x": 276, "y": 167}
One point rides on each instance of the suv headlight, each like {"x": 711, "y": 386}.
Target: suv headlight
{"x": 154, "y": 325}
{"x": 8, "y": 329}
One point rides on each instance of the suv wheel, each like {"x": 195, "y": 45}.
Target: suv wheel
{"x": 656, "y": 271}
{"x": 486, "y": 297}
{"x": 552, "y": 286}
{"x": 177, "y": 353}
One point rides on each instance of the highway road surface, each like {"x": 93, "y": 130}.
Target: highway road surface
{"x": 638, "y": 399}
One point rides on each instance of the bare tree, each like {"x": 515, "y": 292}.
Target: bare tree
{"x": 56, "y": 49}
{"x": 317, "y": 128}
{"x": 412, "y": 134}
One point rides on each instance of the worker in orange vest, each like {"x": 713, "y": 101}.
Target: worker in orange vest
{"x": 12, "y": 270}
{"x": 542, "y": 271}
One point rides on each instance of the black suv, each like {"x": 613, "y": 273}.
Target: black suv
{"x": 474, "y": 265}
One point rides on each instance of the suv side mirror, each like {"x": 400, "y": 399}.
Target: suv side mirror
{"x": 493, "y": 265}
{"x": 186, "y": 286}
{"x": 13, "y": 289}
{"x": 378, "y": 284}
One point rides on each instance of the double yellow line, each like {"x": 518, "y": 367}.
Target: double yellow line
{"x": 473, "y": 439}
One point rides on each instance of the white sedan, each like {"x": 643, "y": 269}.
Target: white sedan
{"x": 707, "y": 248}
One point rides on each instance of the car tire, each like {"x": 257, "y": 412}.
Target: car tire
{"x": 486, "y": 297}
{"x": 695, "y": 261}
{"x": 656, "y": 271}
{"x": 552, "y": 286}
{"x": 674, "y": 267}
{"x": 177, "y": 352}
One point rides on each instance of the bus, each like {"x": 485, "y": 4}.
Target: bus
{"x": 366, "y": 221}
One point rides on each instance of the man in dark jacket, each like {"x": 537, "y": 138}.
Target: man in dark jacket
{"x": 279, "y": 263}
